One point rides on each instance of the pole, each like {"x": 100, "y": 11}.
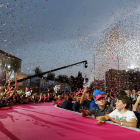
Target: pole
{"x": 94, "y": 67}
{"x": 118, "y": 62}
{"x": 105, "y": 82}
{"x": 118, "y": 72}
{"x": 29, "y": 77}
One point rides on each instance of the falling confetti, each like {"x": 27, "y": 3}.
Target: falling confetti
{"x": 54, "y": 39}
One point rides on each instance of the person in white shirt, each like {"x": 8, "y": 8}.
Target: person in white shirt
{"x": 28, "y": 93}
{"x": 121, "y": 115}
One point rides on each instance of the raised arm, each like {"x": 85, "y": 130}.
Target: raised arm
{"x": 6, "y": 91}
{"x": 136, "y": 104}
{"x": 83, "y": 95}
{"x": 15, "y": 86}
{"x": 111, "y": 96}
{"x": 10, "y": 96}
{"x": 9, "y": 85}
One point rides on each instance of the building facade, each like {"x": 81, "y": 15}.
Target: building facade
{"x": 8, "y": 62}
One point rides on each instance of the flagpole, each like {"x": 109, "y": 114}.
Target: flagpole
{"x": 105, "y": 82}
{"x": 118, "y": 71}
{"x": 15, "y": 77}
{"x": 94, "y": 67}
{"x": 118, "y": 62}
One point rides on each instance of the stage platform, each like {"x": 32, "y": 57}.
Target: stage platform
{"x": 43, "y": 121}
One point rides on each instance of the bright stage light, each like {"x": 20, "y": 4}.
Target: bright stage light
{"x": 9, "y": 66}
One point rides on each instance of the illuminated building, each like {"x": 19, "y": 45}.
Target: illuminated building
{"x": 8, "y": 62}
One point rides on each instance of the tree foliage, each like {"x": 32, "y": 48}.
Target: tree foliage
{"x": 50, "y": 76}
{"x": 76, "y": 83}
{"x": 38, "y": 71}
{"x": 62, "y": 79}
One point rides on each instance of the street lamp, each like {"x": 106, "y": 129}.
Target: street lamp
{"x": 9, "y": 66}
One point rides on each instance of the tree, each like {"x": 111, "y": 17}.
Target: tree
{"x": 80, "y": 80}
{"x": 73, "y": 83}
{"x": 37, "y": 71}
{"x": 62, "y": 79}
{"x": 50, "y": 76}
{"x": 76, "y": 82}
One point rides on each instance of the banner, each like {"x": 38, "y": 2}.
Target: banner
{"x": 11, "y": 76}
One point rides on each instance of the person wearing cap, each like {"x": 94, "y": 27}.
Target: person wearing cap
{"x": 76, "y": 106}
{"x": 121, "y": 115}
{"x": 88, "y": 103}
{"x": 101, "y": 109}
{"x": 95, "y": 93}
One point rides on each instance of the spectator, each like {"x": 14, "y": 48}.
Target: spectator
{"x": 3, "y": 102}
{"x": 100, "y": 110}
{"x": 51, "y": 98}
{"x": 134, "y": 96}
{"x": 23, "y": 99}
{"x": 121, "y": 115}
{"x": 77, "y": 105}
{"x": 59, "y": 101}
{"x": 136, "y": 110}
{"x": 41, "y": 98}
{"x": 87, "y": 104}
{"x": 27, "y": 96}
{"x": 67, "y": 104}
{"x": 44, "y": 98}
{"x": 113, "y": 102}
{"x": 107, "y": 98}
{"x": 55, "y": 97}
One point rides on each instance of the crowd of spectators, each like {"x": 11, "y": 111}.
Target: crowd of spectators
{"x": 121, "y": 107}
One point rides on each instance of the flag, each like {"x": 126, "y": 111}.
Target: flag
{"x": 11, "y": 76}
{"x": 26, "y": 90}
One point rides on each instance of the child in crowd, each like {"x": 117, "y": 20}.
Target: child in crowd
{"x": 121, "y": 115}
{"x": 98, "y": 111}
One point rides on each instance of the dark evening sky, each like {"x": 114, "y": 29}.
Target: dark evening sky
{"x": 54, "y": 33}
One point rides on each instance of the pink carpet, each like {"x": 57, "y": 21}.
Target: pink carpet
{"x": 43, "y": 121}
